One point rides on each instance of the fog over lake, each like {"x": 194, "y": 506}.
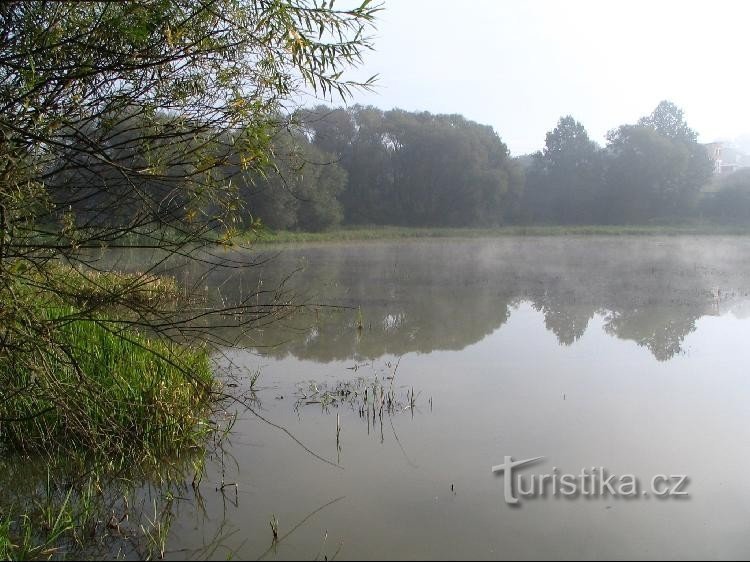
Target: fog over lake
{"x": 627, "y": 353}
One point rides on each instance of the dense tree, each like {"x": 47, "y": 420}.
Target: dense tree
{"x": 731, "y": 203}
{"x": 358, "y": 140}
{"x": 299, "y": 190}
{"x": 418, "y": 169}
{"x": 656, "y": 168}
{"x": 363, "y": 165}
{"x": 449, "y": 171}
{"x": 321, "y": 182}
{"x": 421, "y": 169}
{"x": 669, "y": 121}
{"x": 565, "y": 180}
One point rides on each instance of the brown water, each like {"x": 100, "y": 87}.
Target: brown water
{"x": 625, "y": 353}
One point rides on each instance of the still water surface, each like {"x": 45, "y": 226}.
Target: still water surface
{"x": 625, "y": 353}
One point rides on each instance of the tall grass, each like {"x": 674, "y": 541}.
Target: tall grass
{"x": 106, "y": 390}
{"x": 64, "y": 511}
{"x": 74, "y": 378}
{"x": 80, "y": 389}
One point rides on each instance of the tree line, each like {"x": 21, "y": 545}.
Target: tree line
{"x": 365, "y": 166}
{"x": 652, "y": 171}
{"x": 357, "y": 166}
{"x": 393, "y": 167}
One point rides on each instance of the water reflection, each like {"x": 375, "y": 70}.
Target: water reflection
{"x": 424, "y": 296}
{"x": 549, "y": 332}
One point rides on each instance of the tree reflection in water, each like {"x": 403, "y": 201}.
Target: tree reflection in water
{"x": 422, "y": 296}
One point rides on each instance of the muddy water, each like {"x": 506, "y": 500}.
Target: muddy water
{"x": 629, "y": 354}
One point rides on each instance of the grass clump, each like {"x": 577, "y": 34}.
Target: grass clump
{"x": 102, "y": 289}
{"x": 62, "y": 510}
{"x": 75, "y": 374}
{"x": 81, "y": 388}
{"x": 106, "y": 390}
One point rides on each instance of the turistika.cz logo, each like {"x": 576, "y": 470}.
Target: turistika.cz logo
{"x": 594, "y": 482}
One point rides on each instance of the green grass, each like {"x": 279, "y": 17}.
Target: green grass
{"x": 363, "y": 234}
{"x": 80, "y": 391}
{"x": 39, "y": 532}
{"x": 65, "y": 510}
{"x": 73, "y": 379}
{"x": 107, "y": 391}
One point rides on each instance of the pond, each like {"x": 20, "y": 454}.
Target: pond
{"x": 628, "y": 354}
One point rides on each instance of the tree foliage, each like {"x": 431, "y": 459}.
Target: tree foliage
{"x": 731, "y": 202}
{"x": 103, "y": 97}
{"x": 657, "y": 168}
{"x": 421, "y": 169}
{"x": 565, "y": 180}
{"x": 418, "y": 169}
{"x": 118, "y": 122}
{"x": 300, "y": 191}
{"x": 653, "y": 171}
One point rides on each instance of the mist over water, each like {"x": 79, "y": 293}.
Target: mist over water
{"x": 424, "y": 296}
{"x": 625, "y": 353}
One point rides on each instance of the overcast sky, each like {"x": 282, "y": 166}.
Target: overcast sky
{"x": 519, "y": 65}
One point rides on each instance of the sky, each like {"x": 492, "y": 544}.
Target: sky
{"x": 519, "y": 65}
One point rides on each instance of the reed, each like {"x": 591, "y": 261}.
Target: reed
{"x": 101, "y": 389}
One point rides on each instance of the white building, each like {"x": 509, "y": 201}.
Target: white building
{"x": 726, "y": 158}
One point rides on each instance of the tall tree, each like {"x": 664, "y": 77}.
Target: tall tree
{"x": 419, "y": 168}
{"x": 669, "y": 121}
{"x": 564, "y": 181}
{"x": 657, "y": 168}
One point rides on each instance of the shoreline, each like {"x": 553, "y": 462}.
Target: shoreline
{"x": 385, "y": 233}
